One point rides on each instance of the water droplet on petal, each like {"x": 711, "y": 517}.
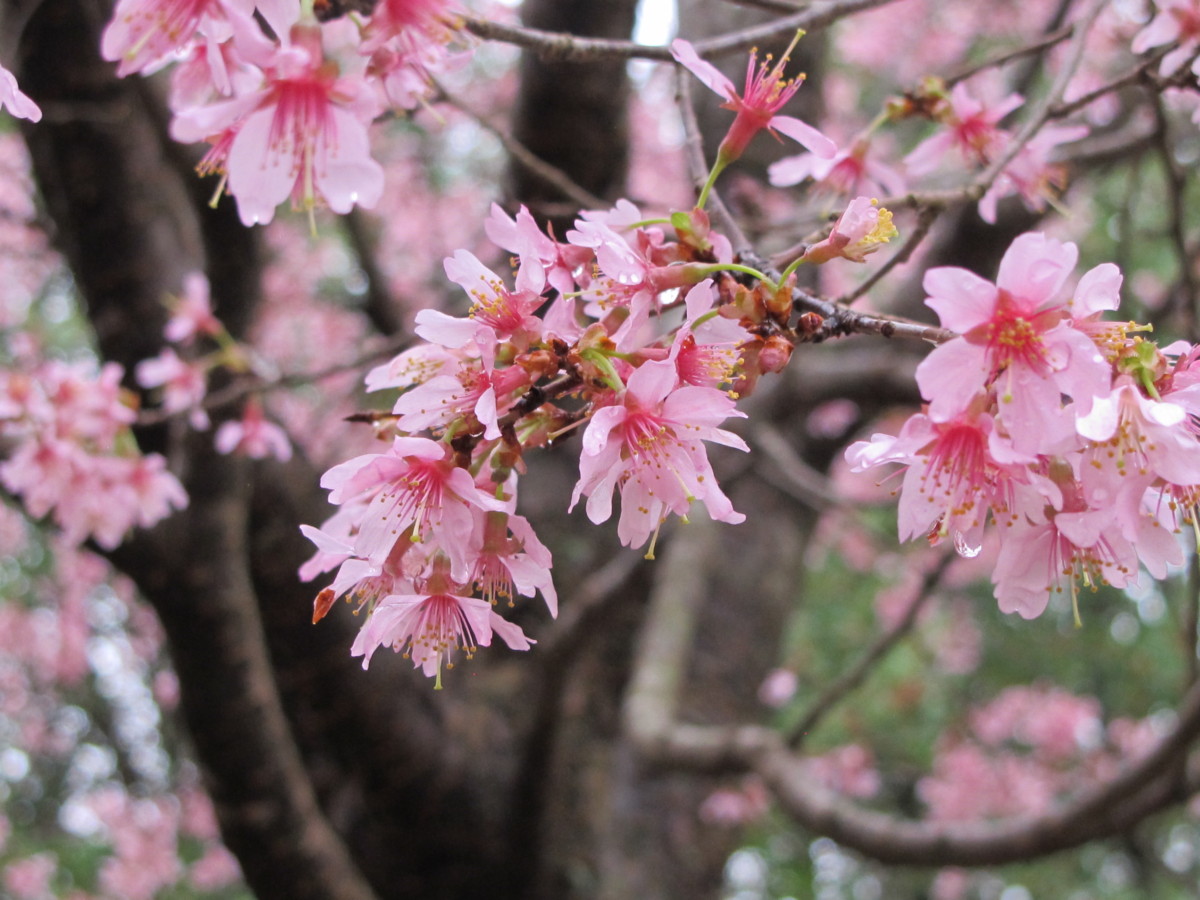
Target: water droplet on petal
{"x": 354, "y": 197}
{"x": 962, "y": 548}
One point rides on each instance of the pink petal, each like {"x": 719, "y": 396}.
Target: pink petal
{"x": 805, "y": 135}
{"x": 961, "y": 299}
{"x": 685, "y": 54}
{"x": 1035, "y": 266}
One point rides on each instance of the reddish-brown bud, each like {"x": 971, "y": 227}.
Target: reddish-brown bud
{"x": 774, "y": 355}
{"x": 538, "y": 364}
{"x": 323, "y": 604}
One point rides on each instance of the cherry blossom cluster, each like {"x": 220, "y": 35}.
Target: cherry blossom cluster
{"x": 183, "y": 380}
{"x": 427, "y": 538}
{"x": 431, "y": 522}
{"x": 968, "y": 128}
{"x": 1176, "y": 25}
{"x": 286, "y": 115}
{"x": 1024, "y": 751}
{"x": 1075, "y": 435}
{"x": 73, "y": 455}
{"x": 589, "y": 336}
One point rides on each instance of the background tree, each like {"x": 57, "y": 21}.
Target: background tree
{"x": 869, "y": 697}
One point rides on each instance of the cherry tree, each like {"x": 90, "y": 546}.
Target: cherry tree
{"x": 459, "y": 450}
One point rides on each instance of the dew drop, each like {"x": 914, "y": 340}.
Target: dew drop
{"x": 962, "y": 548}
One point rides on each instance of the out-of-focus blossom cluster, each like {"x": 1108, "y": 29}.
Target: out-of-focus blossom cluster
{"x": 969, "y": 129}
{"x": 73, "y": 456}
{"x": 72, "y": 637}
{"x": 285, "y": 111}
{"x": 848, "y": 770}
{"x": 183, "y": 380}
{"x": 1075, "y": 435}
{"x": 25, "y": 255}
{"x": 1026, "y": 750}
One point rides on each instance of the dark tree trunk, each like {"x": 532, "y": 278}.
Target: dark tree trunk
{"x": 572, "y": 115}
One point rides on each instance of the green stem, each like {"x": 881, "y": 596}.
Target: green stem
{"x": 745, "y": 270}
{"x": 795, "y": 264}
{"x": 604, "y": 364}
{"x": 717, "y": 169}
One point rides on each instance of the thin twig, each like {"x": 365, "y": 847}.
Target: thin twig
{"x": 246, "y": 386}
{"x": 780, "y": 6}
{"x": 559, "y": 47}
{"x": 796, "y": 477}
{"x": 883, "y": 644}
{"x": 1045, "y": 43}
{"x": 525, "y": 157}
{"x": 1041, "y": 115}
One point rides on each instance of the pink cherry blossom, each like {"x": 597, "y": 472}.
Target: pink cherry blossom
{"x": 852, "y": 170}
{"x": 959, "y": 470}
{"x": 429, "y": 628}
{"x": 505, "y": 566}
{"x": 302, "y": 135}
{"x": 635, "y": 268}
{"x": 1014, "y": 335}
{"x": 1032, "y": 174}
{"x": 758, "y": 106}
{"x": 184, "y": 384}
{"x": 417, "y": 365}
{"x": 406, "y": 41}
{"x": 417, "y": 486}
{"x": 143, "y": 33}
{"x": 561, "y": 263}
{"x": 1135, "y": 434}
{"x": 191, "y": 313}
{"x": 73, "y": 456}
{"x": 858, "y": 232}
{"x": 1041, "y": 559}
{"x": 1175, "y": 21}
{"x": 253, "y": 436}
{"x": 649, "y": 446}
{"x": 496, "y": 313}
{"x": 970, "y": 126}
{"x": 29, "y": 878}
{"x": 477, "y": 395}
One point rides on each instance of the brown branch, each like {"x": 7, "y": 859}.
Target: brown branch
{"x": 795, "y": 476}
{"x": 650, "y": 719}
{"x": 1044, "y": 43}
{"x": 263, "y": 796}
{"x": 570, "y": 48}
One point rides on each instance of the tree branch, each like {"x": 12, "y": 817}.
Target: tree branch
{"x": 559, "y": 47}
